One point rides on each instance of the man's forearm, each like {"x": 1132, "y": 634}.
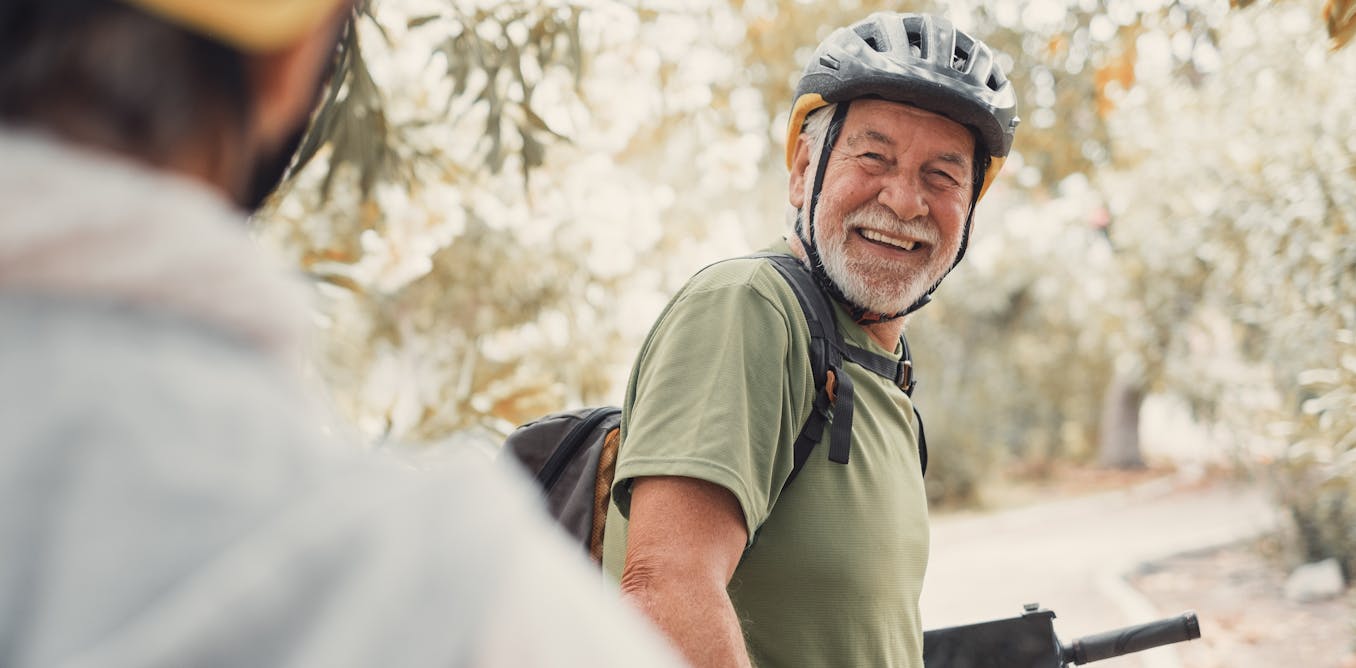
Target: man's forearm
{"x": 697, "y": 618}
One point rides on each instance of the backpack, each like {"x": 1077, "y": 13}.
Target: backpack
{"x": 572, "y": 454}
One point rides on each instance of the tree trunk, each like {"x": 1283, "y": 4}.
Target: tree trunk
{"x": 1118, "y": 436}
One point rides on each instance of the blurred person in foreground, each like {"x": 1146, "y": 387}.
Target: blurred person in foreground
{"x": 167, "y": 495}
{"x": 900, "y": 122}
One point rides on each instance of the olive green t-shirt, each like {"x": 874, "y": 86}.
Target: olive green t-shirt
{"x": 835, "y": 564}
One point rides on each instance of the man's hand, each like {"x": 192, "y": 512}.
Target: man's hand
{"x": 684, "y": 540}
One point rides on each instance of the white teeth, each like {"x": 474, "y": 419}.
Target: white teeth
{"x": 898, "y": 243}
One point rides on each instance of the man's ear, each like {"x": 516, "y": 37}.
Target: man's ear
{"x": 284, "y": 82}
{"x": 800, "y": 165}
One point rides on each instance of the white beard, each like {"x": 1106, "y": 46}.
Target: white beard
{"x": 880, "y": 286}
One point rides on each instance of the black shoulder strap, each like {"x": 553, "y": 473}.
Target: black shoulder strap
{"x": 833, "y": 404}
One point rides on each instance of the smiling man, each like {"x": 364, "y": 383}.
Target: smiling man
{"x": 900, "y": 122}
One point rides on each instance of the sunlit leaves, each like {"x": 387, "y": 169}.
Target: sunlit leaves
{"x": 1235, "y": 198}
{"x": 508, "y": 48}
{"x": 1318, "y": 470}
{"x": 456, "y": 292}
{"x": 351, "y": 120}
{"x": 1340, "y": 16}
{"x": 494, "y": 60}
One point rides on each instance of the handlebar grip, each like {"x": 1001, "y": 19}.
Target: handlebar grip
{"x": 1133, "y": 639}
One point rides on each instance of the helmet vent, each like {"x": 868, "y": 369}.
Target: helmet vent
{"x": 913, "y": 27}
{"x": 960, "y": 59}
{"x": 871, "y": 35}
{"x": 997, "y": 80}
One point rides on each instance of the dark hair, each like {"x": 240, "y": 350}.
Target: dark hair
{"x": 102, "y": 72}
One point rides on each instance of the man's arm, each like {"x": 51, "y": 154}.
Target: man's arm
{"x": 685, "y": 538}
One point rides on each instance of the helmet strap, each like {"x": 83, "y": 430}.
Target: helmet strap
{"x": 964, "y": 242}
{"x": 805, "y": 229}
{"x": 805, "y": 225}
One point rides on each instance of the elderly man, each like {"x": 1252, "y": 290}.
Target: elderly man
{"x": 167, "y": 495}
{"x": 899, "y": 124}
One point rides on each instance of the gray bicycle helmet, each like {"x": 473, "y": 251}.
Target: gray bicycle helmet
{"x": 914, "y": 59}
{"x": 919, "y": 60}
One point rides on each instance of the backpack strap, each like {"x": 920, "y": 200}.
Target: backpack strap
{"x": 834, "y": 395}
{"x": 602, "y": 491}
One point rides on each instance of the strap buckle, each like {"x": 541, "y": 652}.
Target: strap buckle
{"x": 904, "y": 376}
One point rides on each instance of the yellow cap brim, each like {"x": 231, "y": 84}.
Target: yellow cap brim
{"x": 248, "y": 25}
{"x": 995, "y": 166}
{"x": 802, "y": 108}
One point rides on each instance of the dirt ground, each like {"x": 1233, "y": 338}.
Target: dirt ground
{"x": 1246, "y": 621}
{"x": 1236, "y": 591}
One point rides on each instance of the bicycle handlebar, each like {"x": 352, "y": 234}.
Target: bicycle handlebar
{"x": 1132, "y": 639}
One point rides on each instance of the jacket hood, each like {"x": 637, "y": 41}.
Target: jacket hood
{"x": 81, "y": 224}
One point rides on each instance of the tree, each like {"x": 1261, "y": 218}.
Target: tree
{"x": 1243, "y": 189}
{"x": 467, "y": 274}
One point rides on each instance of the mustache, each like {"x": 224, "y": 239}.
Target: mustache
{"x": 877, "y": 217}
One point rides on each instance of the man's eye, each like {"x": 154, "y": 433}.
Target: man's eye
{"x": 875, "y": 162}
{"x": 946, "y": 175}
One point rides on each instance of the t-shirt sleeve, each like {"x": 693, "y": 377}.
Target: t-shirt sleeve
{"x": 711, "y": 398}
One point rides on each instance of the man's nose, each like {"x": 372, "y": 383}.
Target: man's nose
{"x": 904, "y": 196}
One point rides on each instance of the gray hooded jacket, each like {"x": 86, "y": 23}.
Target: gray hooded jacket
{"x": 168, "y": 496}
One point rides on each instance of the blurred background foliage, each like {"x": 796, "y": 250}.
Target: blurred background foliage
{"x": 496, "y": 198}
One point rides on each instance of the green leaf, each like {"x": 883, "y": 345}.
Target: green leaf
{"x": 421, "y": 20}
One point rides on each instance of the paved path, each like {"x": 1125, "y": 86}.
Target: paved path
{"x": 1069, "y": 556}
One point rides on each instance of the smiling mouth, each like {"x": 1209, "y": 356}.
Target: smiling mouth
{"x": 885, "y": 240}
